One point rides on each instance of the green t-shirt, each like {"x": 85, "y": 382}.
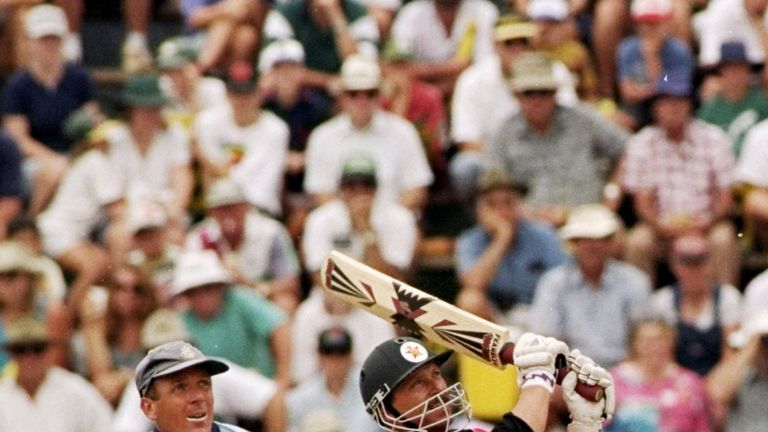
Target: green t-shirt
{"x": 240, "y": 332}
{"x": 736, "y": 118}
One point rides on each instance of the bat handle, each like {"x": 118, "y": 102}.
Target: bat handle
{"x": 589, "y": 392}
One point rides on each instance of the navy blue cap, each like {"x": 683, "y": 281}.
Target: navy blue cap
{"x": 733, "y": 52}
{"x": 670, "y": 85}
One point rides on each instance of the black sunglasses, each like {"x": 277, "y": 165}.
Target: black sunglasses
{"x": 33, "y": 348}
{"x": 509, "y": 43}
{"x": 370, "y": 94}
{"x": 538, "y": 93}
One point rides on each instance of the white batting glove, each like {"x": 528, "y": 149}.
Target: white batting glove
{"x": 586, "y": 415}
{"x": 535, "y": 357}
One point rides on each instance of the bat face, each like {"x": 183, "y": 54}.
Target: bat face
{"x": 417, "y": 312}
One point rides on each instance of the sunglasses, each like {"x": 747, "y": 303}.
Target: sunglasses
{"x": 509, "y": 43}
{"x": 370, "y": 94}
{"x": 36, "y": 348}
{"x": 13, "y": 274}
{"x": 538, "y": 93}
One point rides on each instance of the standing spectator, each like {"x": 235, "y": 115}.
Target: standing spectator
{"x": 331, "y": 391}
{"x": 243, "y": 142}
{"x": 38, "y": 98}
{"x": 12, "y": 193}
{"x": 704, "y": 311}
{"x": 256, "y": 249}
{"x": 652, "y": 391}
{"x": 591, "y": 302}
{"x": 565, "y": 155}
{"x": 680, "y": 172}
{"x": 402, "y": 170}
{"x": 499, "y": 261}
{"x": 43, "y": 397}
{"x": 223, "y": 318}
{"x": 444, "y": 36}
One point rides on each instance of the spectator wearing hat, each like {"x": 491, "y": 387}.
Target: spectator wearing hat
{"x": 646, "y": 57}
{"x": 12, "y": 187}
{"x": 465, "y": 37}
{"x": 358, "y": 223}
{"x": 726, "y": 20}
{"x": 40, "y": 396}
{"x": 402, "y": 168}
{"x": 244, "y": 142}
{"x": 332, "y": 391}
{"x": 499, "y": 260}
{"x": 739, "y": 103}
{"x": 704, "y": 311}
{"x": 566, "y": 155}
{"x": 223, "y": 317}
{"x": 680, "y": 172}
{"x": 568, "y": 297}
{"x": 330, "y": 31}
{"x": 484, "y": 85}
{"x": 256, "y": 249}
{"x": 38, "y": 98}
{"x": 152, "y": 156}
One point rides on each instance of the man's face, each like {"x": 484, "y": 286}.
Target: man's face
{"x": 422, "y": 384}
{"x": 245, "y": 101}
{"x": 590, "y": 252}
{"x": 508, "y": 50}
{"x": 500, "y": 203}
{"x": 231, "y": 218}
{"x": 31, "y": 360}
{"x": 672, "y": 112}
{"x": 207, "y": 300}
{"x": 360, "y": 105}
{"x": 183, "y": 402}
{"x": 538, "y": 106}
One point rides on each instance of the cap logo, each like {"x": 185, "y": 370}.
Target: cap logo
{"x": 413, "y": 352}
{"x": 187, "y": 353}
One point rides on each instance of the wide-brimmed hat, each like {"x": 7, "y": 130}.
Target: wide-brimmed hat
{"x": 360, "y": 73}
{"x": 279, "y": 52}
{"x": 533, "y": 71}
{"x": 45, "y": 20}
{"x": 510, "y": 27}
{"x": 591, "y": 221}
{"x": 223, "y": 192}
{"x": 25, "y": 330}
{"x": 143, "y": 91}
{"x": 733, "y": 52}
{"x": 197, "y": 268}
{"x": 175, "y": 52}
{"x": 15, "y": 257}
{"x": 145, "y": 214}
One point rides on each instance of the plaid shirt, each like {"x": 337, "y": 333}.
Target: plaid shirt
{"x": 684, "y": 176}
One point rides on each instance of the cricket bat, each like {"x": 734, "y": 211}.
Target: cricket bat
{"x": 424, "y": 315}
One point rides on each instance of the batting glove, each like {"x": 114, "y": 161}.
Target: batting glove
{"x": 586, "y": 415}
{"x": 535, "y": 357}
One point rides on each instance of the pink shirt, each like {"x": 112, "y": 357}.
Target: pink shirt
{"x": 676, "y": 404}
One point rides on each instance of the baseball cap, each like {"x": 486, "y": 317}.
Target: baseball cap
{"x": 223, "y": 192}
{"x": 143, "y": 90}
{"x": 334, "y": 340}
{"x": 690, "y": 249}
{"x": 358, "y": 168}
{"x": 175, "y": 52}
{"x": 670, "y": 85}
{"x": 16, "y": 258}
{"x": 533, "y": 71}
{"x": 145, "y": 215}
{"x": 650, "y": 10}
{"x": 78, "y": 125}
{"x": 45, "y": 20}
{"x": 196, "y": 268}
{"x": 25, "y": 330}
{"x": 240, "y": 78}
{"x": 360, "y": 73}
{"x": 509, "y": 27}
{"x": 279, "y": 52}
{"x": 547, "y": 10}
{"x": 162, "y": 326}
{"x": 593, "y": 221}
{"x": 493, "y": 178}
{"x": 733, "y": 52}
{"x": 170, "y": 358}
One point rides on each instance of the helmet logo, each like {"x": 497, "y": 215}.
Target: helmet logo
{"x": 413, "y": 352}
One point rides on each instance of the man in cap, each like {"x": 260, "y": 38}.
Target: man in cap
{"x": 500, "y": 259}
{"x": 404, "y": 390}
{"x": 43, "y": 397}
{"x": 403, "y": 172}
{"x": 592, "y": 281}
{"x": 680, "y": 172}
{"x": 174, "y": 381}
{"x": 565, "y": 154}
{"x": 256, "y": 249}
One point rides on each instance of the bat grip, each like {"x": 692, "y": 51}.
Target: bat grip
{"x": 589, "y": 392}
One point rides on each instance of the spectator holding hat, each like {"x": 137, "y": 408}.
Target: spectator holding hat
{"x": 680, "y": 172}
{"x": 256, "y": 249}
{"x": 223, "y": 318}
{"x": 40, "y": 396}
{"x": 740, "y": 102}
{"x": 499, "y": 260}
{"x": 568, "y": 297}
{"x": 402, "y": 168}
{"x": 244, "y": 142}
{"x": 38, "y": 98}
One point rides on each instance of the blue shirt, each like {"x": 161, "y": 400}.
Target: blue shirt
{"x": 676, "y": 59}
{"x": 535, "y": 249}
{"x": 11, "y": 180}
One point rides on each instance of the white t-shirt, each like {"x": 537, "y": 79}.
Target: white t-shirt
{"x": 753, "y": 160}
{"x": 392, "y": 142}
{"x": 260, "y": 147}
{"x": 723, "y": 21}
{"x": 756, "y": 296}
{"x": 65, "y": 402}
{"x": 417, "y": 29}
{"x": 662, "y": 305}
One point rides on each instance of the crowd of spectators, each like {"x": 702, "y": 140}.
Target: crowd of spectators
{"x": 609, "y": 155}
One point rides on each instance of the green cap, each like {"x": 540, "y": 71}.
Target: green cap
{"x": 175, "y": 52}
{"x": 144, "y": 91}
{"x": 358, "y": 168}
{"x": 78, "y": 125}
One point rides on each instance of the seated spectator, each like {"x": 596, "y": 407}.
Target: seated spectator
{"x": 329, "y": 31}
{"x": 499, "y": 261}
{"x": 222, "y": 318}
{"x": 755, "y": 295}
{"x": 752, "y": 182}
{"x": 724, "y": 20}
{"x": 704, "y": 311}
{"x": 112, "y": 330}
{"x": 332, "y": 391}
{"x": 680, "y": 172}
{"x": 12, "y": 193}
{"x": 565, "y": 155}
{"x": 740, "y": 102}
{"x": 39, "y": 97}
{"x": 243, "y": 142}
{"x": 567, "y": 298}
{"x": 402, "y": 169}
{"x": 652, "y": 391}
{"x": 255, "y": 249}
{"x": 40, "y": 396}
